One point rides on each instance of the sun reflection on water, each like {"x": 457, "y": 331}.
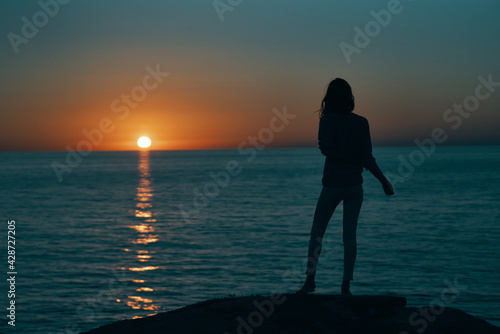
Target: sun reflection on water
{"x": 145, "y": 235}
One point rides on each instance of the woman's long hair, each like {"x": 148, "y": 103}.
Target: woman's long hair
{"x": 338, "y": 98}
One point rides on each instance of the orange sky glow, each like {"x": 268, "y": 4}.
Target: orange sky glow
{"x": 196, "y": 82}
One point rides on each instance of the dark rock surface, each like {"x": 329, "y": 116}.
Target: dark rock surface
{"x": 290, "y": 313}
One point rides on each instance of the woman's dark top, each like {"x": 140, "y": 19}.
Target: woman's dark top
{"x": 345, "y": 141}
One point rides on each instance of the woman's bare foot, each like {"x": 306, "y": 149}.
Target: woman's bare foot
{"x": 345, "y": 289}
{"x": 309, "y": 285}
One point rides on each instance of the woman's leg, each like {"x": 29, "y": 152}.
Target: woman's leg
{"x": 352, "y": 206}
{"x": 327, "y": 202}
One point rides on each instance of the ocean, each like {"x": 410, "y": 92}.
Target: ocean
{"x": 131, "y": 234}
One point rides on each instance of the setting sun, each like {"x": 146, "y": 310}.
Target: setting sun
{"x": 144, "y": 142}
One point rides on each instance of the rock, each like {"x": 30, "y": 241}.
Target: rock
{"x": 292, "y": 313}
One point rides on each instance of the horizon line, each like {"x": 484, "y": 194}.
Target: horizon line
{"x": 232, "y": 149}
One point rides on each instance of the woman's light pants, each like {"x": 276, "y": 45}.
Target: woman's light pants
{"x": 328, "y": 200}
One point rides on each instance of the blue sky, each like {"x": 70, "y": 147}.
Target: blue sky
{"x": 227, "y": 76}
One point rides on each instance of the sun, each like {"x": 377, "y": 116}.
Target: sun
{"x": 144, "y": 142}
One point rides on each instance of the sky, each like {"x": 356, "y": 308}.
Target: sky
{"x": 212, "y": 74}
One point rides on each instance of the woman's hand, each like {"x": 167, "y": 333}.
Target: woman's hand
{"x": 388, "y": 189}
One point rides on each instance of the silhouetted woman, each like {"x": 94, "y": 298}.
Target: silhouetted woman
{"x": 344, "y": 138}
